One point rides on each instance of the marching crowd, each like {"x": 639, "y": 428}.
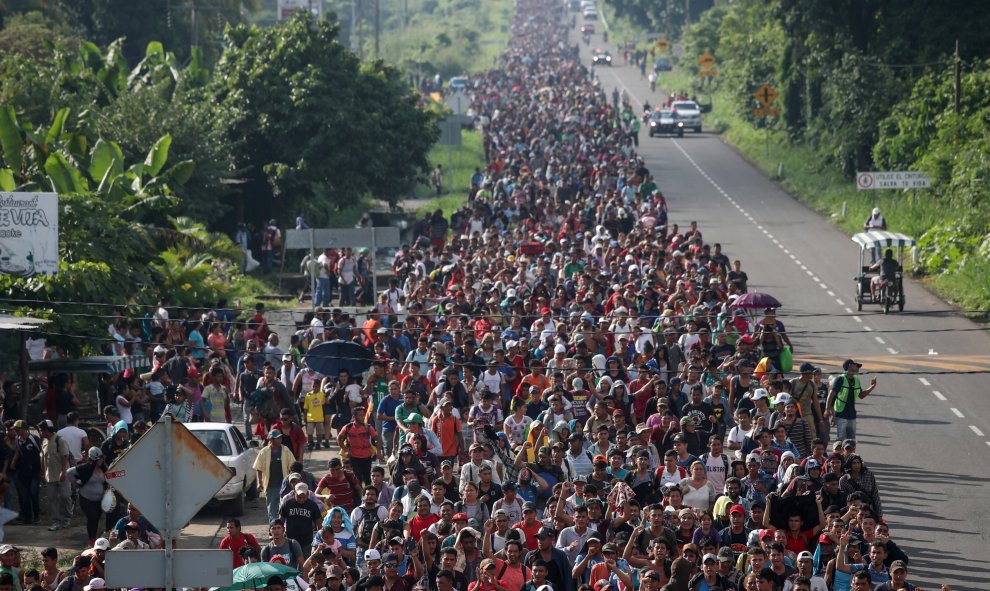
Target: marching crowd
{"x": 569, "y": 392}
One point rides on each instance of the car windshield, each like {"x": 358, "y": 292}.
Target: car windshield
{"x": 686, "y": 106}
{"x": 215, "y": 440}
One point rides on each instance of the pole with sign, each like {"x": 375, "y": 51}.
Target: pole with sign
{"x": 166, "y": 459}
{"x": 766, "y": 95}
{"x": 902, "y": 179}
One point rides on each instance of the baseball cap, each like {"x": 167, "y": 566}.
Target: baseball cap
{"x": 459, "y": 517}
{"x": 96, "y": 583}
{"x": 392, "y": 542}
{"x": 101, "y": 544}
{"x": 487, "y": 564}
{"x": 811, "y": 464}
{"x": 725, "y": 554}
{"x": 390, "y": 557}
{"x": 687, "y": 420}
{"x": 546, "y": 532}
{"x": 301, "y": 488}
{"x": 650, "y": 574}
{"x": 132, "y": 525}
{"x": 678, "y": 438}
{"x": 46, "y": 424}
{"x": 287, "y": 357}
{"x": 618, "y": 413}
{"x": 754, "y": 457}
{"x": 372, "y": 554}
{"x": 274, "y": 434}
{"x": 708, "y": 557}
{"x": 807, "y": 368}
{"x": 783, "y": 398}
{"x": 760, "y": 393}
{"x": 805, "y": 555}
{"x": 898, "y": 565}
{"x": 602, "y": 584}
{"x": 850, "y": 362}
{"x": 737, "y": 509}
{"x": 334, "y": 572}
{"x": 20, "y": 424}
{"x": 848, "y": 443}
{"x": 824, "y": 539}
{"x": 529, "y": 506}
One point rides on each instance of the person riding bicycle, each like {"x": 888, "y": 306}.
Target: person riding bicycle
{"x": 888, "y": 268}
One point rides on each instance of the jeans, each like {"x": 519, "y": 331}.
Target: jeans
{"x": 248, "y": 432}
{"x": 27, "y": 497}
{"x": 271, "y": 502}
{"x": 388, "y": 438}
{"x": 845, "y": 428}
{"x": 322, "y": 295}
{"x": 362, "y": 469}
{"x": 58, "y": 494}
{"x": 347, "y": 293}
{"x": 266, "y": 261}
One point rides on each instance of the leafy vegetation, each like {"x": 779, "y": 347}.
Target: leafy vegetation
{"x": 860, "y": 89}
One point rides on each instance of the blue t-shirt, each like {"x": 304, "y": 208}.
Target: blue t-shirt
{"x": 199, "y": 345}
{"x": 387, "y": 407}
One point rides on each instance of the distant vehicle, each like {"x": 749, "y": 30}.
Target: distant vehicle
{"x": 600, "y": 57}
{"x": 458, "y": 83}
{"x": 662, "y": 64}
{"x": 575, "y": 5}
{"x": 689, "y": 113}
{"x": 585, "y": 4}
{"x": 588, "y": 29}
{"x": 590, "y": 14}
{"x": 665, "y": 121}
{"x": 227, "y": 443}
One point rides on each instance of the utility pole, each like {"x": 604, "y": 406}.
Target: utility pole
{"x": 957, "y": 85}
{"x": 354, "y": 26}
{"x": 378, "y": 27}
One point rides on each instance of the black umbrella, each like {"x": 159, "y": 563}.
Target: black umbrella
{"x": 332, "y": 356}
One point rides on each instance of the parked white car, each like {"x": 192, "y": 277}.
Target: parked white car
{"x": 689, "y": 112}
{"x": 229, "y": 445}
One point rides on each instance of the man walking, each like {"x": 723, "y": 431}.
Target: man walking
{"x": 55, "y": 456}
{"x": 272, "y": 466}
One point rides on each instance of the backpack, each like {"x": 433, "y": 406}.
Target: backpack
{"x": 265, "y": 403}
{"x": 725, "y": 460}
{"x": 365, "y": 526}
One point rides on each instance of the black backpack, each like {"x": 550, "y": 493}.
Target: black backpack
{"x": 365, "y": 526}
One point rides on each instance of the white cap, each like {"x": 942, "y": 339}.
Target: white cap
{"x": 876, "y": 211}
{"x": 760, "y": 393}
{"x": 560, "y": 349}
{"x": 101, "y": 544}
{"x": 96, "y": 583}
{"x": 372, "y": 554}
{"x": 301, "y": 488}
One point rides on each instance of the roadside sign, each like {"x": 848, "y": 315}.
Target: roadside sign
{"x": 30, "y": 234}
{"x": 906, "y": 179}
{"x": 663, "y": 44}
{"x": 707, "y": 73}
{"x": 766, "y": 112}
{"x": 140, "y": 475}
{"x": 766, "y": 94}
{"x": 678, "y": 50}
{"x": 706, "y": 61}
{"x": 450, "y": 131}
{"x": 458, "y": 102}
{"x": 145, "y": 569}
{"x": 320, "y": 238}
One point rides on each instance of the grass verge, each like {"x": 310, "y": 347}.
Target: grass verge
{"x": 458, "y": 165}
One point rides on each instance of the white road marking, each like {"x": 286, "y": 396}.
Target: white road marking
{"x": 891, "y": 351}
{"x": 798, "y": 263}
{"x": 867, "y": 328}
{"x": 831, "y": 294}
{"x": 856, "y": 318}
{"x": 880, "y": 340}
{"x": 957, "y": 412}
{"x": 793, "y": 258}
{"x": 976, "y": 430}
{"x": 840, "y": 302}
{"x": 924, "y": 382}
{"x": 823, "y": 286}
{"x": 815, "y": 279}
{"x": 939, "y": 395}
{"x": 787, "y": 251}
{"x": 809, "y": 272}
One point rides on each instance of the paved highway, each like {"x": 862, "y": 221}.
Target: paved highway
{"x": 927, "y": 436}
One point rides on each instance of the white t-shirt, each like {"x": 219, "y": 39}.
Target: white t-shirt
{"x": 737, "y": 435}
{"x": 73, "y": 436}
{"x": 125, "y": 411}
{"x": 353, "y": 393}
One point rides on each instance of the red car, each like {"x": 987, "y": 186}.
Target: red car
{"x": 587, "y": 29}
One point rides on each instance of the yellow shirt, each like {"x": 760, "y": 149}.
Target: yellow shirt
{"x": 313, "y": 405}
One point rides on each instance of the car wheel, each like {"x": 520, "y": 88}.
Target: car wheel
{"x": 236, "y": 505}
{"x": 252, "y": 492}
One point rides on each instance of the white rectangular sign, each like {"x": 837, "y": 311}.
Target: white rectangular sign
{"x": 906, "y": 179}
{"x": 287, "y": 7}
{"x": 146, "y": 568}
{"x": 28, "y": 234}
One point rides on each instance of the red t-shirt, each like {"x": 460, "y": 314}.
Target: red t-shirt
{"x": 235, "y": 545}
{"x": 417, "y": 524}
{"x": 801, "y": 543}
{"x": 530, "y": 531}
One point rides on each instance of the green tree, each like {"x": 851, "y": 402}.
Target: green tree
{"x": 311, "y": 127}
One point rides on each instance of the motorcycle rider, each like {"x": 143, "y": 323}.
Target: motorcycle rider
{"x": 888, "y": 272}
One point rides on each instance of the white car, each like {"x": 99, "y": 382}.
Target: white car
{"x": 590, "y": 14}
{"x": 229, "y": 445}
{"x": 689, "y": 113}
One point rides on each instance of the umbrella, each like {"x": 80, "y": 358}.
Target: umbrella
{"x": 331, "y": 357}
{"x": 755, "y": 300}
{"x": 256, "y": 575}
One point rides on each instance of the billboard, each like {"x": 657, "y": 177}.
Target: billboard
{"x": 28, "y": 234}
{"x": 287, "y": 7}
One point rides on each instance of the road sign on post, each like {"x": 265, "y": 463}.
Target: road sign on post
{"x": 706, "y": 60}
{"x": 166, "y": 460}
{"x": 663, "y": 44}
{"x": 678, "y": 50}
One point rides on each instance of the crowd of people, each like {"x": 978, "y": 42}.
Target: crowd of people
{"x": 564, "y": 396}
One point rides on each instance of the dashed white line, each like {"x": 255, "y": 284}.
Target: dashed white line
{"x": 831, "y": 294}
{"x": 880, "y": 340}
{"x": 867, "y": 329}
{"x": 841, "y": 303}
{"x": 787, "y": 251}
{"x": 891, "y": 351}
{"x": 976, "y": 430}
{"x": 793, "y": 258}
{"x": 856, "y": 318}
{"x": 988, "y": 442}
{"x": 798, "y": 263}
{"x": 809, "y": 272}
{"x": 939, "y": 395}
{"x": 815, "y": 279}
{"x": 924, "y": 382}
{"x": 957, "y": 412}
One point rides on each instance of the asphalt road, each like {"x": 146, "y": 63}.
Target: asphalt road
{"x": 924, "y": 432}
